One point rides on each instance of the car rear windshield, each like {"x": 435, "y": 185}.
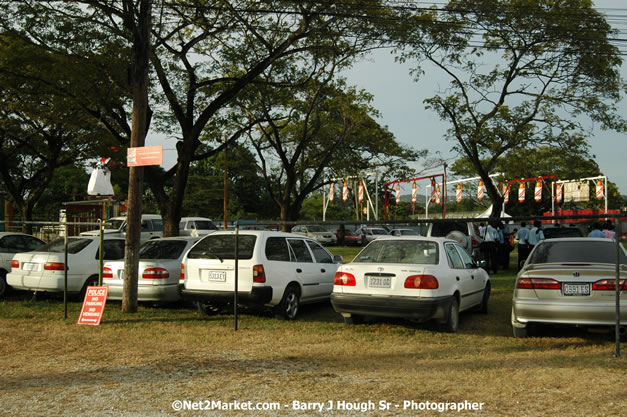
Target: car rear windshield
{"x": 162, "y": 249}
{"x": 74, "y": 245}
{"x": 205, "y": 225}
{"x": 223, "y": 247}
{"x": 400, "y": 251}
{"x": 580, "y": 251}
{"x": 555, "y": 232}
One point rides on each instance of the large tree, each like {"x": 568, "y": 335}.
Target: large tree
{"x": 523, "y": 73}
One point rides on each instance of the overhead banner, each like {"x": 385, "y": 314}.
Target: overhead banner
{"x": 331, "y": 192}
{"x": 458, "y": 194}
{"x": 144, "y": 155}
{"x": 576, "y": 191}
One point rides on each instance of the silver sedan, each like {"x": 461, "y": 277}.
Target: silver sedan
{"x": 570, "y": 281}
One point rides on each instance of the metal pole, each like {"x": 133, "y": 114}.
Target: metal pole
{"x": 65, "y": 272}
{"x": 100, "y": 252}
{"x": 618, "y": 239}
{"x": 236, "y": 272}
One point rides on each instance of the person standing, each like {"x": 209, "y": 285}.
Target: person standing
{"x": 523, "y": 244}
{"x": 490, "y": 247}
{"x": 596, "y": 231}
{"x": 535, "y": 234}
{"x": 608, "y": 230}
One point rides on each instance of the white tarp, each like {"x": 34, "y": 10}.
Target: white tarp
{"x": 100, "y": 182}
{"x": 487, "y": 213}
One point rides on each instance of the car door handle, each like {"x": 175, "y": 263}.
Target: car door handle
{"x": 299, "y": 270}
{"x": 472, "y": 276}
{"x": 457, "y": 278}
{"x": 323, "y": 270}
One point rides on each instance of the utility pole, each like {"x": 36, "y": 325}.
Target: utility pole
{"x": 138, "y": 22}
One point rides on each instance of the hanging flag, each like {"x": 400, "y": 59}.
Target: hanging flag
{"x": 361, "y": 191}
{"x": 538, "y": 191}
{"x": 458, "y": 193}
{"x": 398, "y": 193}
{"x": 480, "y": 190}
{"x": 558, "y": 193}
{"x": 331, "y": 192}
{"x": 506, "y": 194}
{"x": 521, "y": 192}
{"x": 345, "y": 192}
{"x": 433, "y": 190}
{"x": 600, "y": 193}
{"x": 414, "y": 191}
{"x": 437, "y": 196}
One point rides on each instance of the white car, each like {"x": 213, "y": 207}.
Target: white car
{"x": 275, "y": 270}
{"x": 10, "y": 244}
{"x": 151, "y": 227}
{"x": 159, "y": 270}
{"x": 368, "y": 234}
{"x": 44, "y": 268}
{"x": 318, "y": 233}
{"x": 411, "y": 277}
{"x": 196, "y": 226}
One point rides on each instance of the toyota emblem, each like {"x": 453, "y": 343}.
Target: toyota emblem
{"x": 576, "y": 274}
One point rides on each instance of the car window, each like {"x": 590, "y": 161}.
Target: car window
{"x": 204, "y": 225}
{"x": 112, "y": 249}
{"x": 320, "y": 254}
{"x": 146, "y": 225}
{"x": 12, "y": 244}
{"x": 400, "y": 251}
{"x": 454, "y": 260}
{"x": 317, "y": 229}
{"x": 300, "y": 250}
{"x": 182, "y": 225}
{"x": 74, "y": 245}
{"x": 115, "y": 224}
{"x": 466, "y": 259}
{"x": 162, "y": 249}
{"x": 580, "y": 251}
{"x": 379, "y": 232}
{"x": 157, "y": 225}
{"x": 441, "y": 229}
{"x": 277, "y": 249}
{"x": 223, "y": 247}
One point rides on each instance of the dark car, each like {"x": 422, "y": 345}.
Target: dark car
{"x": 557, "y": 232}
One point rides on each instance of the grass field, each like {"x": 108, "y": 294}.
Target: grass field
{"x": 139, "y": 364}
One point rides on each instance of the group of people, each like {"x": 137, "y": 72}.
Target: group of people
{"x": 527, "y": 239}
{"x": 495, "y": 246}
{"x": 606, "y": 231}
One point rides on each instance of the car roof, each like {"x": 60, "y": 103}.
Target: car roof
{"x": 260, "y": 233}
{"x": 15, "y": 233}
{"x": 196, "y": 218}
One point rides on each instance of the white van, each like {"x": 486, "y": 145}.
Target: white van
{"x": 276, "y": 270}
{"x": 152, "y": 227}
{"x": 196, "y": 226}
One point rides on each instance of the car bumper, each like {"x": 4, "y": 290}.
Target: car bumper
{"x": 602, "y": 313}
{"x": 163, "y": 293}
{"x": 48, "y": 283}
{"x": 257, "y": 296}
{"x": 421, "y": 309}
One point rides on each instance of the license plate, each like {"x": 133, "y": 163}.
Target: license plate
{"x": 576, "y": 289}
{"x": 216, "y": 276}
{"x": 379, "y": 282}
{"x": 29, "y": 266}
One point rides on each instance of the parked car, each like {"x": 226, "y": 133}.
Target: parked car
{"x": 552, "y": 232}
{"x": 276, "y": 270}
{"x": 404, "y": 232}
{"x": 151, "y": 227}
{"x": 465, "y": 233}
{"x": 569, "y": 281}
{"x": 10, "y": 244}
{"x": 411, "y": 277}
{"x": 352, "y": 237}
{"x": 159, "y": 270}
{"x": 44, "y": 268}
{"x": 368, "y": 234}
{"x": 196, "y": 226}
{"x": 318, "y": 233}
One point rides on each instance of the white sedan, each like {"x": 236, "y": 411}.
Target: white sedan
{"x": 411, "y": 277}
{"x": 44, "y": 269}
{"x": 159, "y": 270}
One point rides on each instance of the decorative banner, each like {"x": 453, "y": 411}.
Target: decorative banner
{"x": 480, "y": 190}
{"x": 521, "y": 192}
{"x": 558, "y": 193}
{"x": 398, "y": 193}
{"x": 437, "y": 196}
{"x": 331, "y": 192}
{"x": 458, "y": 193}
{"x": 414, "y": 191}
{"x": 600, "y": 193}
{"x": 361, "y": 191}
{"x": 538, "y": 191}
{"x": 433, "y": 190}
{"x": 144, "y": 155}
{"x": 506, "y": 194}
{"x": 345, "y": 192}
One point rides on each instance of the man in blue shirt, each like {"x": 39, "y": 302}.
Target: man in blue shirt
{"x": 596, "y": 231}
{"x": 535, "y": 234}
{"x": 523, "y": 244}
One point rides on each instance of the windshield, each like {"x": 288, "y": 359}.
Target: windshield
{"x": 205, "y": 225}
{"x": 74, "y": 245}
{"x": 400, "y": 251}
{"x": 579, "y": 251}
{"x": 316, "y": 229}
{"x": 223, "y": 247}
{"x": 162, "y": 249}
{"x": 378, "y": 232}
{"x": 114, "y": 224}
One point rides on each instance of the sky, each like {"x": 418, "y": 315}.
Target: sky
{"x": 400, "y": 100}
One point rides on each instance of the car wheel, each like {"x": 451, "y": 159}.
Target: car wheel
{"x": 207, "y": 309}
{"x": 3, "y": 283}
{"x": 483, "y": 307}
{"x": 520, "y": 332}
{"x": 288, "y": 307}
{"x": 354, "y": 319}
{"x": 91, "y": 281}
{"x": 452, "y": 317}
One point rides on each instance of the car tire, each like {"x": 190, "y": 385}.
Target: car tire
{"x": 483, "y": 307}
{"x": 354, "y": 319}
{"x": 452, "y": 317}
{"x": 206, "y": 308}
{"x": 3, "y": 283}
{"x": 287, "y": 309}
{"x": 90, "y": 282}
{"x": 520, "y": 332}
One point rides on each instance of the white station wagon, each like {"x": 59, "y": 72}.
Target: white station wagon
{"x": 276, "y": 270}
{"x": 411, "y": 277}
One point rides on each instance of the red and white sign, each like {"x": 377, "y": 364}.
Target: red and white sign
{"x": 538, "y": 191}
{"x": 331, "y": 192}
{"x": 506, "y": 194}
{"x": 398, "y": 193}
{"x": 600, "y": 193}
{"x": 558, "y": 193}
{"x": 345, "y": 192}
{"x": 438, "y": 199}
{"x": 144, "y": 155}
{"x": 458, "y": 194}
{"x": 433, "y": 190}
{"x": 93, "y": 305}
{"x": 361, "y": 191}
{"x": 480, "y": 190}
{"x": 414, "y": 192}
{"x": 521, "y": 192}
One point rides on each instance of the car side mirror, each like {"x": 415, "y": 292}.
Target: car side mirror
{"x": 481, "y": 264}
{"x": 338, "y": 259}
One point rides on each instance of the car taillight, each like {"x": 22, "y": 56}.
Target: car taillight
{"x": 259, "y": 275}
{"x": 475, "y": 243}
{"x": 423, "y": 282}
{"x": 344, "y": 278}
{"x": 107, "y": 272}
{"x": 15, "y": 264}
{"x": 155, "y": 273}
{"x": 609, "y": 285}
{"x": 182, "y": 276}
{"x": 538, "y": 284}
{"x": 54, "y": 266}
